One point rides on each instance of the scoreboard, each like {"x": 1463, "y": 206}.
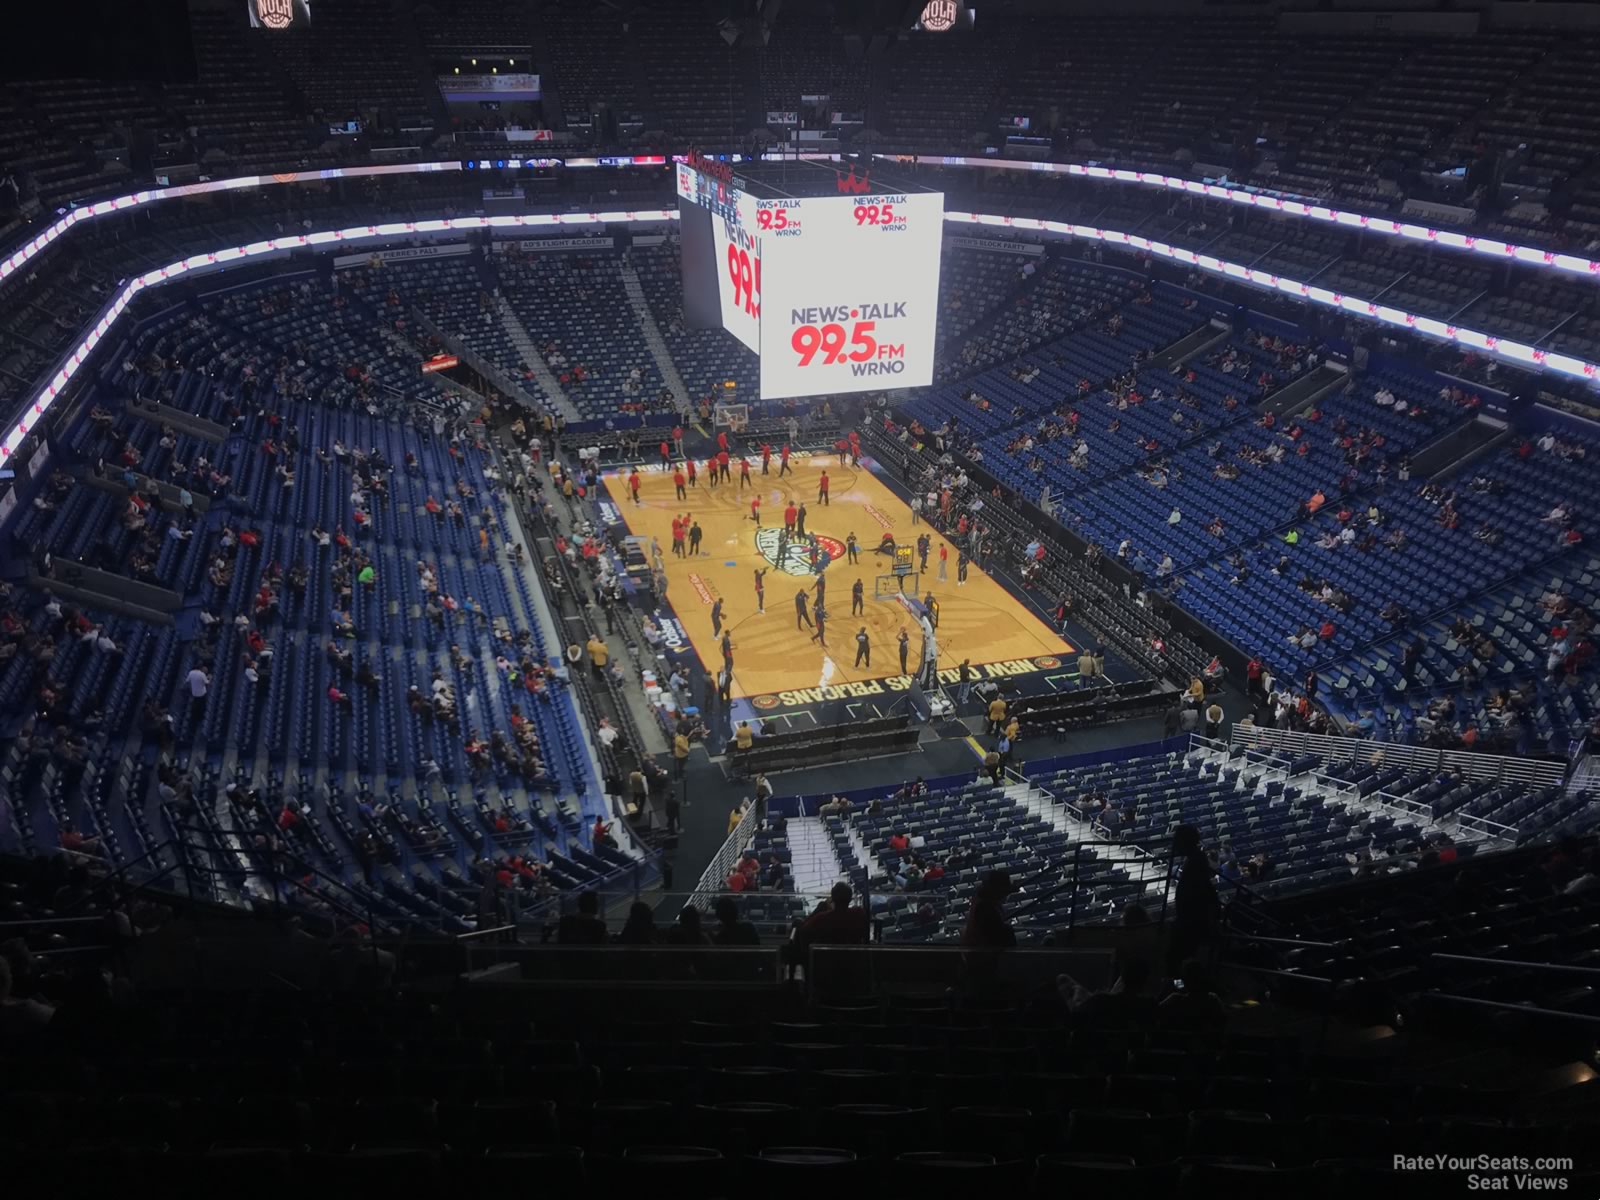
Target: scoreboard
{"x": 721, "y": 256}
{"x": 852, "y": 293}
{"x": 835, "y": 294}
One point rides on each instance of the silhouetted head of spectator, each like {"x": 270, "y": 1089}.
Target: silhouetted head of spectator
{"x": 841, "y": 895}
{"x": 995, "y": 887}
{"x": 1136, "y": 975}
{"x": 589, "y": 904}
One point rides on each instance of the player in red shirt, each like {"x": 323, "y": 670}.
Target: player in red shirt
{"x": 790, "y": 514}
{"x": 677, "y": 439}
{"x": 666, "y": 457}
{"x": 855, "y": 448}
{"x": 755, "y": 508}
{"x": 693, "y": 474}
{"x": 744, "y": 472}
{"x": 722, "y": 441}
{"x": 783, "y": 461}
{"x": 677, "y": 537}
{"x": 722, "y": 466}
{"x": 711, "y": 471}
{"x": 822, "y": 490}
{"x": 677, "y": 482}
{"x": 766, "y": 457}
{"x": 633, "y": 485}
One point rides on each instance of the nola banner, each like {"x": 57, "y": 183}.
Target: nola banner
{"x": 399, "y": 254}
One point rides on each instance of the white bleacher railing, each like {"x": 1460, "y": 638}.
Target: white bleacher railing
{"x": 1536, "y": 773}
{"x": 1280, "y": 757}
{"x": 713, "y": 881}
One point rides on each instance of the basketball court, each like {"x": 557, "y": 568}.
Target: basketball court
{"x": 978, "y": 620}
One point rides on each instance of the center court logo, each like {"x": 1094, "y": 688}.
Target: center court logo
{"x": 796, "y": 556}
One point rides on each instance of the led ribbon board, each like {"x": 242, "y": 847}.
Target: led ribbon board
{"x": 1515, "y": 352}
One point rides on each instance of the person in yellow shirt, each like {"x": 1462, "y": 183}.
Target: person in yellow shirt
{"x": 680, "y": 752}
{"x": 735, "y": 815}
{"x": 997, "y": 715}
{"x": 1013, "y": 728}
{"x": 744, "y": 737}
{"x": 599, "y": 654}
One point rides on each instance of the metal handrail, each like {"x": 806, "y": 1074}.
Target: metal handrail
{"x": 1073, "y": 880}
{"x": 312, "y": 869}
{"x": 1297, "y": 943}
{"x": 1561, "y": 968}
{"x": 1525, "y": 1009}
{"x": 480, "y": 934}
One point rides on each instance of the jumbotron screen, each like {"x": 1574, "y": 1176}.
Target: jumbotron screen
{"x": 851, "y": 296}
{"x": 721, "y": 256}
{"x": 835, "y": 294}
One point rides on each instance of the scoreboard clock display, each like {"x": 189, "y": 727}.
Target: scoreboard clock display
{"x": 850, "y": 292}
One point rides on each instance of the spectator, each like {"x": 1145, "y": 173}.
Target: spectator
{"x": 584, "y": 927}
{"x": 599, "y": 655}
{"x": 1126, "y": 1004}
{"x": 640, "y": 927}
{"x": 20, "y": 1017}
{"x": 687, "y": 931}
{"x": 994, "y": 764}
{"x": 730, "y": 930}
{"x": 199, "y": 683}
{"x": 1194, "y": 1006}
{"x": 834, "y": 923}
{"x": 997, "y": 715}
{"x": 987, "y": 927}
{"x": 1195, "y": 907}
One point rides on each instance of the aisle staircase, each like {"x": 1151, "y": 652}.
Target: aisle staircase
{"x": 529, "y": 352}
{"x": 652, "y": 333}
{"x": 812, "y": 861}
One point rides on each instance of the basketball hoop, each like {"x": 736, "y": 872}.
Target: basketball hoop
{"x": 735, "y": 418}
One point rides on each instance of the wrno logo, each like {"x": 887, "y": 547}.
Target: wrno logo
{"x": 272, "y": 14}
